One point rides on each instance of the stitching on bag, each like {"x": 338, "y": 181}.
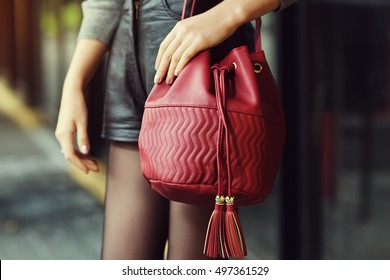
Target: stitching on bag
{"x": 184, "y": 186}
{"x": 213, "y": 108}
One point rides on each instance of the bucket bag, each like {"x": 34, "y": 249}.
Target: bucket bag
{"x": 215, "y": 137}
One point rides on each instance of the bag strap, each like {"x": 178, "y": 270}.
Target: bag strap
{"x": 257, "y": 33}
{"x": 183, "y": 12}
{"x": 257, "y": 38}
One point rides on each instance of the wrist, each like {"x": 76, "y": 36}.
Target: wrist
{"x": 74, "y": 85}
{"x": 241, "y": 12}
{"x": 231, "y": 16}
{"x": 239, "y": 15}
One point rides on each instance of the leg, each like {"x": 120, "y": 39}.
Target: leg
{"x": 187, "y": 231}
{"x": 136, "y": 218}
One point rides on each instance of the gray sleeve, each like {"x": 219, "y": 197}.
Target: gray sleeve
{"x": 285, "y": 3}
{"x": 100, "y": 18}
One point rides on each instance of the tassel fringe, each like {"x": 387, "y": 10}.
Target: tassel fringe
{"x": 215, "y": 243}
{"x": 224, "y": 237}
{"x": 234, "y": 234}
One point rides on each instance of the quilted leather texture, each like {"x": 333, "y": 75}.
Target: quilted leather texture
{"x": 179, "y": 134}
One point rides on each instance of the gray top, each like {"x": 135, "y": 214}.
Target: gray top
{"x": 100, "y": 18}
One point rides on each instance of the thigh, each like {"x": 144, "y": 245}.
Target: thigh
{"x": 187, "y": 231}
{"x": 136, "y": 218}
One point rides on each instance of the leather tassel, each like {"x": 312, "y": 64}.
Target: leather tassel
{"x": 234, "y": 234}
{"x": 215, "y": 243}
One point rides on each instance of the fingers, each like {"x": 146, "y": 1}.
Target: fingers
{"x": 165, "y": 55}
{"x": 66, "y": 142}
{"x": 163, "y": 46}
{"x": 173, "y": 60}
{"x": 187, "y": 38}
{"x": 90, "y": 163}
{"x": 82, "y": 137}
{"x": 78, "y": 159}
{"x": 177, "y": 49}
{"x": 185, "y": 57}
{"x": 84, "y": 147}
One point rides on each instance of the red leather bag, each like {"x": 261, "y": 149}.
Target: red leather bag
{"x": 215, "y": 136}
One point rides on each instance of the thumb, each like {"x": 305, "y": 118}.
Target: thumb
{"x": 82, "y": 138}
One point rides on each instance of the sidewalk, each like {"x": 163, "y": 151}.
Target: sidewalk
{"x": 46, "y": 214}
{"x": 43, "y": 213}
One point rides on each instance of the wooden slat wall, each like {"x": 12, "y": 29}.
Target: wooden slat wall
{"x": 7, "y": 41}
{"x": 27, "y": 46}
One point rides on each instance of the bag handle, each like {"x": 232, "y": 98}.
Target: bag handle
{"x": 257, "y": 33}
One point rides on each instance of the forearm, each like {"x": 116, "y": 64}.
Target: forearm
{"x": 236, "y": 13}
{"x": 86, "y": 58}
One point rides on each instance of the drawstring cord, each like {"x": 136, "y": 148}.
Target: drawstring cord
{"x": 224, "y": 237}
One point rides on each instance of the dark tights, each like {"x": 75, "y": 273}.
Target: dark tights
{"x": 138, "y": 221}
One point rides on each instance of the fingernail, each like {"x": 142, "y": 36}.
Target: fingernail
{"x": 169, "y": 81}
{"x": 84, "y": 149}
{"x": 157, "y": 79}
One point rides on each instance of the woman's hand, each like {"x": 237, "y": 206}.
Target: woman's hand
{"x": 73, "y": 119}
{"x": 187, "y": 38}
{"x": 73, "y": 115}
{"x": 203, "y": 31}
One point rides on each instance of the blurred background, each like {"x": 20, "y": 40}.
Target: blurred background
{"x": 331, "y": 59}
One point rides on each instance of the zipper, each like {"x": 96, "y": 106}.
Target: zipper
{"x": 135, "y": 30}
{"x": 136, "y": 4}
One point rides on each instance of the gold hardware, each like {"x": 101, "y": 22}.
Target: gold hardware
{"x": 257, "y": 68}
{"x": 220, "y": 199}
{"x": 229, "y": 199}
{"x": 234, "y": 65}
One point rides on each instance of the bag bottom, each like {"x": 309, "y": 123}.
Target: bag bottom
{"x": 201, "y": 194}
